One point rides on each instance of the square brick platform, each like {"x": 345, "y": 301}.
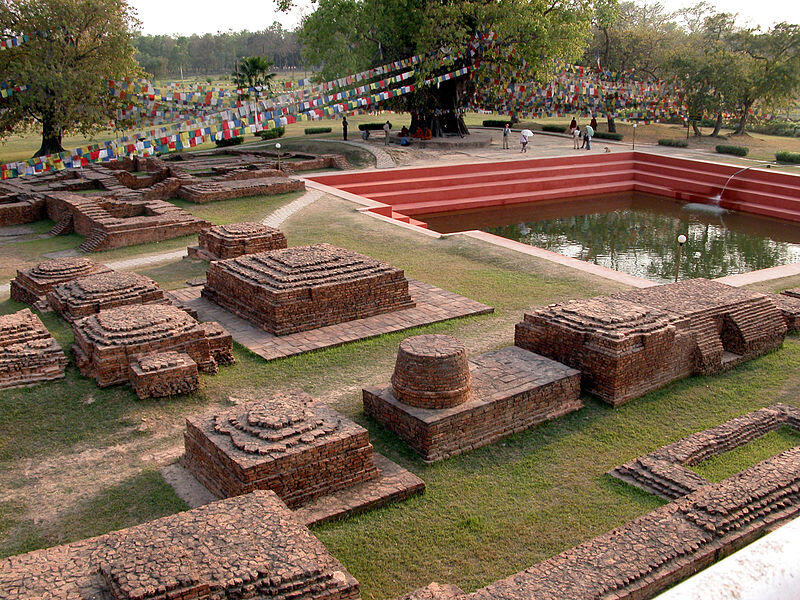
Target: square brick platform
{"x": 432, "y": 305}
{"x": 164, "y": 374}
{"x": 236, "y": 239}
{"x": 28, "y": 353}
{"x": 300, "y": 448}
{"x": 510, "y": 390}
{"x": 245, "y": 547}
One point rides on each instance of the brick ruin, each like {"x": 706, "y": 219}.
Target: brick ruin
{"x": 441, "y": 404}
{"x": 630, "y": 343}
{"x": 124, "y": 202}
{"x": 162, "y": 374}
{"x": 28, "y": 353}
{"x": 663, "y": 472}
{"x": 110, "y": 344}
{"x": 88, "y": 295}
{"x": 31, "y": 286}
{"x": 674, "y": 541}
{"x": 305, "y": 287}
{"x": 291, "y": 444}
{"x": 788, "y": 302}
{"x": 245, "y": 547}
{"x": 236, "y": 239}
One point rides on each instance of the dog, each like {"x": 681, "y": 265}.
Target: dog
{"x": 606, "y": 149}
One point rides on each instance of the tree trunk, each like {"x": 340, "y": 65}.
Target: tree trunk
{"x": 740, "y": 128}
{"x": 51, "y": 138}
{"x": 717, "y": 125}
{"x": 612, "y": 127}
{"x": 696, "y": 130}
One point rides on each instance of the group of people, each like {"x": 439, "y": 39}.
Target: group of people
{"x": 586, "y": 135}
{"x": 580, "y": 139}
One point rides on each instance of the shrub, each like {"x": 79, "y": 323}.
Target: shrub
{"x": 735, "y": 150}
{"x": 673, "y": 143}
{"x": 234, "y": 141}
{"x": 271, "y": 134}
{"x": 554, "y": 128}
{"x": 605, "y": 135}
{"x": 788, "y": 157}
{"x": 370, "y": 126}
{"x": 495, "y": 122}
{"x": 313, "y": 130}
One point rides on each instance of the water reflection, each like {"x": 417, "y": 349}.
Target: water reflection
{"x": 636, "y": 234}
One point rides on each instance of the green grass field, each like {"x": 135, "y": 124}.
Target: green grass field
{"x": 77, "y": 460}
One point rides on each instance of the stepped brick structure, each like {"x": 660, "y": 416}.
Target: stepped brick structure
{"x": 299, "y": 448}
{"x": 441, "y": 404}
{"x": 790, "y": 309}
{"x": 164, "y": 374}
{"x": 631, "y": 343}
{"x": 245, "y": 547}
{"x": 236, "y": 239}
{"x": 663, "y": 472}
{"x": 86, "y": 296}
{"x": 32, "y": 285}
{"x": 109, "y": 342}
{"x": 703, "y": 523}
{"x": 296, "y": 289}
{"x": 794, "y": 292}
{"x": 28, "y": 353}
{"x": 211, "y": 191}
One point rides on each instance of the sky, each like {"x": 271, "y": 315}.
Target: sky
{"x": 210, "y": 16}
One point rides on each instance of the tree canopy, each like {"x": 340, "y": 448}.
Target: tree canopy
{"x": 253, "y": 71}
{"x": 76, "y": 46}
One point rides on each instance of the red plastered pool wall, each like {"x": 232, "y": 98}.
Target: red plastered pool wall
{"x": 403, "y": 193}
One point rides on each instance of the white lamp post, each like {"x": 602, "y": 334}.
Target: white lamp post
{"x": 278, "y": 152}
{"x": 634, "y": 136}
{"x": 681, "y": 242}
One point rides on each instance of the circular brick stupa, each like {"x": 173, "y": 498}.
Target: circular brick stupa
{"x": 432, "y": 371}
{"x": 32, "y": 285}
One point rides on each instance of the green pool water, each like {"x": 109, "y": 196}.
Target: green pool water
{"x": 637, "y": 234}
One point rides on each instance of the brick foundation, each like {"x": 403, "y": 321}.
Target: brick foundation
{"x": 299, "y": 448}
{"x": 631, "y": 343}
{"x": 508, "y": 391}
{"x": 109, "y": 342}
{"x": 162, "y": 374}
{"x": 237, "y": 239}
{"x": 245, "y": 547}
{"x": 302, "y": 288}
{"x": 28, "y": 353}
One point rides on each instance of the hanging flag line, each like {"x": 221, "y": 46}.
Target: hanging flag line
{"x": 7, "y": 90}
{"x": 253, "y": 122}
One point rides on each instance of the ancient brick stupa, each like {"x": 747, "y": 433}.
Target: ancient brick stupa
{"x": 28, "y": 353}
{"x": 32, "y": 285}
{"x": 108, "y": 344}
{"x": 245, "y": 547}
{"x": 630, "y": 343}
{"x": 88, "y": 295}
{"x": 296, "y": 446}
{"x": 296, "y": 289}
{"x": 442, "y": 404}
{"x": 236, "y": 239}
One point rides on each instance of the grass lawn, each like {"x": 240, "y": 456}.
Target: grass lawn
{"x": 22, "y": 254}
{"x": 76, "y": 460}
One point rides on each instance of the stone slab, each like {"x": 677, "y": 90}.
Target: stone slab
{"x": 432, "y": 306}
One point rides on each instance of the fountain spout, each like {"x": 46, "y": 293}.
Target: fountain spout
{"x": 718, "y": 197}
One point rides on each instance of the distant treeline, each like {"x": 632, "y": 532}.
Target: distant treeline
{"x": 215, "y": 54}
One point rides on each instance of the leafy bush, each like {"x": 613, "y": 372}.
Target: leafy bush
{"x": 780, "y": 127}
{"x": 495, "y": 122}
{"x": 788, "y": 157}
{"x": 234, "y": 141}
{"x": 271, "y": 134}
{"x": 605, "y": 135}
{"x": 313, "y": 130}
{"x": 370, "y": 126}
{"x": 735, "y": 150}
{"x": 553, "y": 128}
{"x": 673, "y": 143}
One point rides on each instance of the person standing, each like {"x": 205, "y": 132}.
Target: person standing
{"x": 593, "y": 122}
{"x": 506, "y": 133}
{"x": 587, "y": 136}
{"x": 386, "y": 128}
{"x": 344, "y": 128}
{"x": 523, "y": 139}
{"x": 573, "y": 125}
{"x": 576, "y": 136}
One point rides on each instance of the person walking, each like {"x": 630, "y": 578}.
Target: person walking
{"x": 587, "y": 136}
{"x": 523, "y": 139}
{"x": 593, "y": 122}
{"x": 576, "y": 137}
{"x": 386, "y": 128}
{"x": 344, "y": 128}
{"x": 506, "y": 133}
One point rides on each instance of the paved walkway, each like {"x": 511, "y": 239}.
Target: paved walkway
{"x": 383, "y": 159}
{"x": 277, "y": 218}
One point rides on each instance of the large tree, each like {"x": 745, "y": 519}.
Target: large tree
{"x": 344, "y": 36}
{"x": 253, "y": 72}
{"x": 75, "y": 47}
